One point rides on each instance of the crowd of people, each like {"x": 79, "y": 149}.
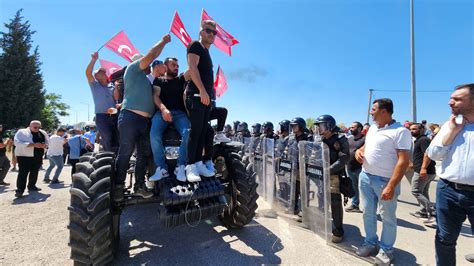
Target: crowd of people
{"x": 134, "y": 107}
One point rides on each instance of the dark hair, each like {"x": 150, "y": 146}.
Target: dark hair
{"x": 469, "y": 86}
{"x": 385, "y": 103}
{"x": 171, "y": 59}
{"x": 359, "y": 125}
{"x": 61, "y": 129}
{"x": 423, "y": 121}
{"x": 419, "y": 125}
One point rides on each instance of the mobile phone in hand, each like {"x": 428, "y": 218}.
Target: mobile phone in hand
{"x": 459, "y": 119}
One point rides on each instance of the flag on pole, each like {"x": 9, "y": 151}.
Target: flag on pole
{"x": 177, "y": 27}
{"x": 121, "y": 45}
{"x": 110, "y": 67}
{"x": 220, "y": 85}
{"x": 223, "y": 41}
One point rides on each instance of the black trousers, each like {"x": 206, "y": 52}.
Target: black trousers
{"x": 73, "y": 163}
{"x": 219, "y": 113}
{"x": 337, "y": 214}
{"x": 28, "y": 168}
{"x": 4, "y": 167}
{"x": 199, "y": 118}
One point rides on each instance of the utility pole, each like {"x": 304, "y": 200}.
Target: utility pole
{"x": 369, "y": 105}
{"x": 88, "y": 105}
{"x": 412, "y": 49}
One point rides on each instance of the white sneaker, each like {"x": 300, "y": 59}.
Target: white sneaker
{"x": 180, "y": 173}
{"x": 220, "y": 137}
{"x": 159, "y": 174}
{"x": 210, "y": 165}
{"x": 192, "y": 173}
{"x": 202, "y": 170}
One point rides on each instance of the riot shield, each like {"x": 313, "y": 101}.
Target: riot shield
{"x": 256, "y": 161}
{"x": 285, "y": 178}
{"x": 315, "y": 187}
{"x": 268, "y": 146}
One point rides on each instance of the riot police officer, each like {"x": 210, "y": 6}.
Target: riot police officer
{"x": 236, "y": 125}
{"x": 228, "y": 130}
{"x": 338, "y": 155}
{"x": 267, "y": 130}
{"x": 243, "y": 130}
{"x": 256, "y": 130}
{"x": 284, "y": 128}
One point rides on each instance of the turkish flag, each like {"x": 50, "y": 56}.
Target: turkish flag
{"x": 220, "y": 85}
{"x": 121, "y": 45}
{"x": 177, "y": 27}
{"x": 223, "y": 41}
{"x": 110, "y": 67}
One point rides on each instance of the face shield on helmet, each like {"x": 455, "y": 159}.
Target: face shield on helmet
{"x": 321, "y": 128}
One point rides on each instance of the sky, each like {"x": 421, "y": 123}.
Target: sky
{"x": 295, "y": 58}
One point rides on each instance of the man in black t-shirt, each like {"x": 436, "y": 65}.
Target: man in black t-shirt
{"x": 4, "y": 162}
{"x": 425, "y": 172}
{"x": 168, "y": 98}
{"x": 353, "y": 167}
{"x": 199, "y": 91}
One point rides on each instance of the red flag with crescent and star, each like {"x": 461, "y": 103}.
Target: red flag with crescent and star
{"x": 121, "y": 45}
{"x": 110, "y": 67}
{"x": 177, "y": 27}
{"x": 220, "y": 85}
{"x": 223, "y": 41}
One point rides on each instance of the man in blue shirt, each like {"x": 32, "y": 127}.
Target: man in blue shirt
{"x": 454, "y": 146}
{"x": 134, "y": 121}
{"x": 102, "y": 93}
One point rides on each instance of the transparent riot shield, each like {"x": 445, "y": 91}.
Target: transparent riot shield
{"x": 314, "y": 185}
{"x": 257, "y": 165}
{"x": 285, "y": 177}
{"x": 268, "y": 169}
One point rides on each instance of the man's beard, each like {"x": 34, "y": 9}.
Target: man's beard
{"x": 172, "y": 74}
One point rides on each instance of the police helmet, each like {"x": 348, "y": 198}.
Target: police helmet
{"x": 256, "y": 128}
{"x": 242, "y": 126}
{"x": 326, "y": 122}
{"x": 285, "y": 125}
{"x": 298, "y": 121}
{"x": 267, "y": 126}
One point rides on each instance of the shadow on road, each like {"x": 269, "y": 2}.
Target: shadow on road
{"x": 32, "y": 197}
{"x": 145, "y": 241}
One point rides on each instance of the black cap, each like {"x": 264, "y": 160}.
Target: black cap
{"x": 156, "y": 62}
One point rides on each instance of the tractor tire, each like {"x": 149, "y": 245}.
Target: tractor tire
{"x": 241, "y": 192}
{"x": 93, "y": 225}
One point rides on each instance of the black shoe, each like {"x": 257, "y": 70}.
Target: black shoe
{"x": 337, "y": 239}
{"x": 18, "y": 194}
{"x": 419, "y": 214}
{"x": 353, "y": 208}
{"x": 3, "y": 183}
{"x": 55, "y": 181}
{"x": 143, "y": 192}
{"x": 34, "y": 189}
{"x": 46, "y": 180}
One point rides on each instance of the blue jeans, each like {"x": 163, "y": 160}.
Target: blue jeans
{"x": 452, "y": 207}
{"x": 54, "y": 161}
{"x": 134, "y": 131}
{"x": 371, "y": 187}
{"x": 354, "y": 176}
{"x": 109, "y": 133}
{"x": 158, "y": 126}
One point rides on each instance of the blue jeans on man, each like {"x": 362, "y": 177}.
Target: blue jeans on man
{"x": 54, "y": 160}
{"x": 158, "y": 127}
{"x": 354, "y": 176}
{"x": 371, "y": 187}
{"x": 109, "y": 133}
{"x": 452, "y": 207}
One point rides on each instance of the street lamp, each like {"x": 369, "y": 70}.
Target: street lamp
{"x": 412, "y": 49}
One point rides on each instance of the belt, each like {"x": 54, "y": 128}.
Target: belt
{"x": 198, "y": 95}
{"x": 459, "y": 186}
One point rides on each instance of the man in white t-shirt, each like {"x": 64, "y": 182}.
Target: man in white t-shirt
{"x": 55, "y": 156}
{"x": 385, "y": 158}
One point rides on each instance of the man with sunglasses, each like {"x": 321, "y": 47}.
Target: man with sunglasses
{"x": 30, "y": 144}
{"x": 199, "y": 91}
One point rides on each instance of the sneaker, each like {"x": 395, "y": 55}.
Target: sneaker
{"x": 210, "y": 166}
{"x": 220, "y": 137}
{"x": 159, "y": 174}
{"x": 384, "y": 258}
{"x": 143, "y": 192}
{"x": 180, "y": 173}
{"x": 18, "y": 194}
{"x": 202, "y": 170}
{"x": 3, "y": 183}
{"x": 367, "y": 250}
{"x": 35, "y": 188}
{"x": 353, "y": 208}
{"x": 336, "y": 239}
{"x": 192, "y": 173}
{"x": 419, "y": 214}
{"x": 46, "y": 180}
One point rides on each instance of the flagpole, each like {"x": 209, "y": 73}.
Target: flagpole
{"x": 108, "y": 41}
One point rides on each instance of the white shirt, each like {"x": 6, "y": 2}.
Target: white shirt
{"x": 55, "y": 147}
{"x": 381, "y": 147}
{"x": 458, "y": 158}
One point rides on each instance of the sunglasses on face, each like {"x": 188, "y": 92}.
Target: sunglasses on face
{"x": 209, "y": 31}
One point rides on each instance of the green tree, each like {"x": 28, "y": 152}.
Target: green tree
{"x": 52, "y": 110}
{"x": 21, "y": 81}
{"x": 310, "y": 122}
